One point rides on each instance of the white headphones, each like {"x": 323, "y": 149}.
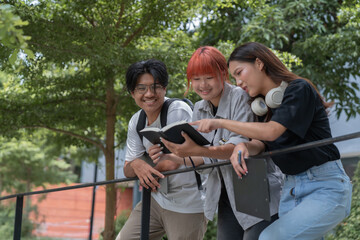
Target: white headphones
{"x": 273, "y": 99}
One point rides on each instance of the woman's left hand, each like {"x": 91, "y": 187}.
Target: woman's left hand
{"x": 240, "y": 168}
{"x": 185, "y": 149}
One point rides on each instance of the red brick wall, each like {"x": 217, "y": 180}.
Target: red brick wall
{"x": 66, "y": 214}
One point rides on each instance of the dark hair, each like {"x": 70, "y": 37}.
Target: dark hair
{"x": 273, "y": 67}
{"x": 154, "y": 67}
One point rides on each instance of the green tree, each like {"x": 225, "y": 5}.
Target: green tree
{"x": 25, "y": 163}
{"x": 324, "y": 34}
{"x": 75, "y": 84}
{"x": 11, "y": 35}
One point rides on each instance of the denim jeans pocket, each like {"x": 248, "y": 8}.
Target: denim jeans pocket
{"x": 332, "y": 170}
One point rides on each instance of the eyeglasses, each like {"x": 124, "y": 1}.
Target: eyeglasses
{"x": 143, "y": 88}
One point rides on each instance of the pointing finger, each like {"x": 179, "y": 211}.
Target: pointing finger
{"x": 194, "y": 123}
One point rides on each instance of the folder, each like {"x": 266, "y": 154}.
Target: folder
{"x": 252, "y": 195}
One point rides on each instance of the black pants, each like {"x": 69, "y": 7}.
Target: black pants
{"x": 228, "y": 228}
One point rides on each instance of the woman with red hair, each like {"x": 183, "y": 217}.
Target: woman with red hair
{"x": 317, "y": 191}
{"x": 208, "y": 76}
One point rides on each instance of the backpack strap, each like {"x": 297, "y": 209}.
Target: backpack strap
{"x": 164, "y": 111}
{"x": 141, "y": 124}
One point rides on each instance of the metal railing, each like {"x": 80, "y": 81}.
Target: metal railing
{"x": 145, "y": 217}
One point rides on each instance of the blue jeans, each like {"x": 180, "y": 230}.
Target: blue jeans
{"x": 312, "y": 203}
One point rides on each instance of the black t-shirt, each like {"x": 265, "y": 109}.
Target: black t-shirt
{"x": 306, "y": 120}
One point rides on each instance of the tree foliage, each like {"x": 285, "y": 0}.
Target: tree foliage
{"x": 11, "y": 35}
{"x": 74, "y": 85}
{"x": 25, "y": 164}
{"x": 324, "y": 34}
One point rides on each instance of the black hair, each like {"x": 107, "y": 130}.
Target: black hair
{"x": 154, "y": 67}
{"x": 273, "y": 67}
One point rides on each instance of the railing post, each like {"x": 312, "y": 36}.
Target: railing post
{"x": 93, "y": 203}
{"x": 145, "y": 214}
{"x": 18, "y": 217}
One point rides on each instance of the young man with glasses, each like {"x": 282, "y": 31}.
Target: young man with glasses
{"x": 178, "y": 210}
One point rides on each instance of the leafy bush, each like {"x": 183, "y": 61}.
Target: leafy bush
{"x": 7, "y": 219}
{"x": 350, "y": 227}
{"x": 120, "y": 220}
{"x": 211, "y": 230}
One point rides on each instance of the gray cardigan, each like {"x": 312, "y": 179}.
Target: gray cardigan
{"x": 233, "y": 105}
